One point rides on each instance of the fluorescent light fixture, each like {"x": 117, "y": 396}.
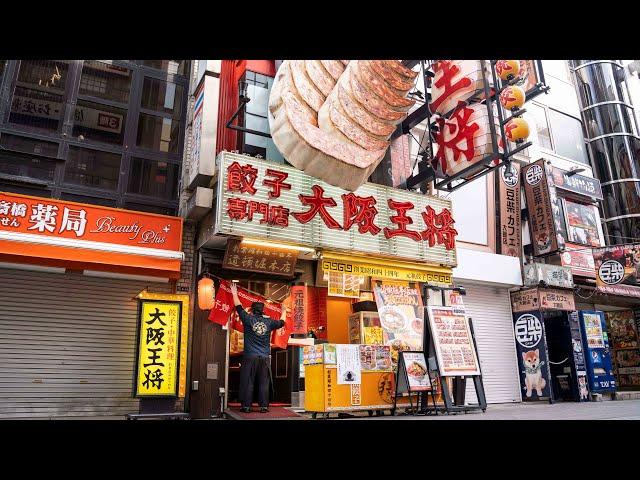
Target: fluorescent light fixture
{"x": 260, "y": 243}
{"x": 33, "y": 268}
{"x": 124, "y": 276}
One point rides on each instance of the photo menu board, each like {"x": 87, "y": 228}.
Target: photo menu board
{"x": 401, "y": 317}
{"x": 453, "y": 342}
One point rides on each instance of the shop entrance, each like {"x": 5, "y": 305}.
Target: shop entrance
{"x": 284, "y": 372}
{"x": 559, "y": 345}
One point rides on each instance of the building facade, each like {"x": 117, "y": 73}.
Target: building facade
{"x": 90, "y": 163}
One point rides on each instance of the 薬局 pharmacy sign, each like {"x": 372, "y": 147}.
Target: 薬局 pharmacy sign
{"x": 269, "y": 201}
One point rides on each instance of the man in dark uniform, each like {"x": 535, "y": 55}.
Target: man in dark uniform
{"x": 257, "y": 349}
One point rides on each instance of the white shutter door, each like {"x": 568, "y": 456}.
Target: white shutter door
{"x": 490, "y": 310}
{"x": 67, "y": 344}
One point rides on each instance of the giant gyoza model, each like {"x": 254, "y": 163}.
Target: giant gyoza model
{"x": 333, "y": 118}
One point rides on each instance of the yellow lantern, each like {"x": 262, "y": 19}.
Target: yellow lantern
{"x": 512, "y": 97}
{"x": 516, "y": 130}
{"x": 507, "y": 69}
{"x": 206, "y": 294}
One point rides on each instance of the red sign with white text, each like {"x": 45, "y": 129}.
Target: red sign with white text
{"x": 46, "y": 217}
{"x": 225, "y": 309}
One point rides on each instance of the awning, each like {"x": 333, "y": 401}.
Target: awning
{"x": 386, "y": 268}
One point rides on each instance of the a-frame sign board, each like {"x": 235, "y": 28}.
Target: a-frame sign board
{"x": 449, "y": 320}
{"x": 413, "y": 376}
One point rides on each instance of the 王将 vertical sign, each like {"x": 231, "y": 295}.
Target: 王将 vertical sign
{"x": 158, "y": 348}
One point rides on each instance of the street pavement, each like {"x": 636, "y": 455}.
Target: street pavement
{"x": 605, "y": 410}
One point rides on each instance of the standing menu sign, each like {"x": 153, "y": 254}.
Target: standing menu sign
{"x": 413, "y": 375}
{"x": 401, "y": 317}
{"x": 453, "y": 342}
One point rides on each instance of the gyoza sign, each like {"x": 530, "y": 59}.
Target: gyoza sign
{"x": 265, "y": 200}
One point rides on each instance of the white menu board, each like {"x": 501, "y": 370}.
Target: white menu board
{"x": 349, "y": 368}
{"x": 453, "y": 342}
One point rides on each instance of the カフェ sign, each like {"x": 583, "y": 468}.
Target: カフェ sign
{"x": 542, "y": 299}
{"x": 270, "y": 201}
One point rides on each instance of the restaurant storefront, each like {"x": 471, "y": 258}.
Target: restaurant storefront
{"x": 327, "y": 254}
{"x": 70, "y": 277}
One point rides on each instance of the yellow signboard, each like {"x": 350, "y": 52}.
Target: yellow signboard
{"x": 384, "y": 269}
{"x": 373, "y": 335}
{"x": 158, "y": 348}
{"x": 184, "y": 330}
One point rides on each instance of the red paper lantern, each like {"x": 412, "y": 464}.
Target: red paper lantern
{"x": 206, "y": 294}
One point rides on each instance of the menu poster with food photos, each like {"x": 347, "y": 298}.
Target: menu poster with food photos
{"x": 453, "y": 342}
{"x": 417, "y": 376}
{"x": 401, "y": 317}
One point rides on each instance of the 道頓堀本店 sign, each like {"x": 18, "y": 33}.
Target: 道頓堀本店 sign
{"x": 158, "y": 348}
{"x": 270, "y": 201}
{"x": 261, "y": 259}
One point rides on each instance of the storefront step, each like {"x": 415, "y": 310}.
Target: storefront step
{"x": 627, "y": 396}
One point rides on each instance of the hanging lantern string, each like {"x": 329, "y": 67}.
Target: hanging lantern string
{"x": 250, "y": 291}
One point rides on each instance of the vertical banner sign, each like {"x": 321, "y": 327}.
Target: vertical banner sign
{"x": 510, "y": 221}
{"x": 533, "y": 362}
{"x": 299, "y": 304}
{"x": 544, "y": 209}
{"x": 578, "y": 357}
{"x": 401, "y": 317}
{"x": 453, "y": 342}
{"x": 158, "y": 349}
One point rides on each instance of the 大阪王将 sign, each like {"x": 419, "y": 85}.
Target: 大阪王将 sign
{"x": 270, "y": 201}
{"x": 159, "y": 348}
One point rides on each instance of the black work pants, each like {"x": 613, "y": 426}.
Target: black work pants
{"x": 252, "y": 369}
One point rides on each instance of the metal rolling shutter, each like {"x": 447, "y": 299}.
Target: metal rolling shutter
{"x": 67, "y": 344}
{"x": 490, "y": 309}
